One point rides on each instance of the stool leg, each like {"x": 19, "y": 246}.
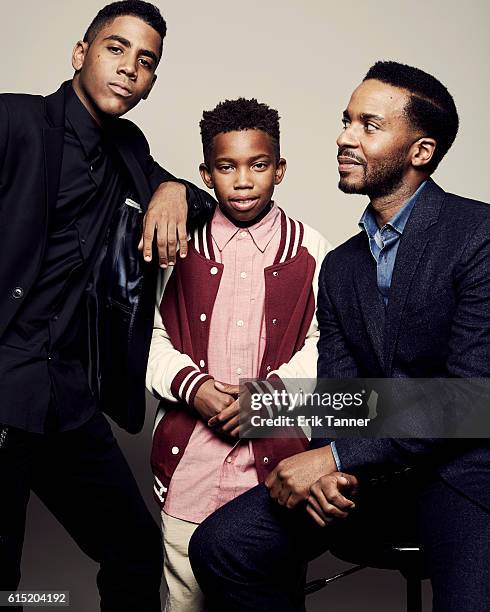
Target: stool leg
{"x": 414, "y": 594}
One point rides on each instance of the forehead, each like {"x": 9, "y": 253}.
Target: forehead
{"x": 135, "y": 30}
{"x": 378, "y": 98}
{"x": 242, "y": 143}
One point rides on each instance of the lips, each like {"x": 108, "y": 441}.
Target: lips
{"x": 244, "y": 203}
{"x": 121, "y": 89}
{"x": 346, "y": 164}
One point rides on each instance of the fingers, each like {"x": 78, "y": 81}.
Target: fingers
{"x": 226, "y": 388}
{"x": 230, "y": 412}
{"x": 182, "y": 238}
{"x": 315, "y": 516}
{"x": 320, "y": 502}
{"x": 168, "y": 253}
{"x": 149, "y": 225}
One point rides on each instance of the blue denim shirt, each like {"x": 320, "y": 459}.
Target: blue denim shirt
{"x": 384, "y": 243}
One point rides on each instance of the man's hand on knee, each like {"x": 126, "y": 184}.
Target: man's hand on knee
{"x": 327, "y": 499}
{"x": 290, "y": 481}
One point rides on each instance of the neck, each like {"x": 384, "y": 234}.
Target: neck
{"x": 385, "y": 207}
{"x": 85, "y": 100}
{"x": 251, "y": 222}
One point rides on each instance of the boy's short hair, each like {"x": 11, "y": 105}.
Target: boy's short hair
{"x": 431, "y": 107}
{"x": 237, "y": 115}
{"x": 147, "y": 12}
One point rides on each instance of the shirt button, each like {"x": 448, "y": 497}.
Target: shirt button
{"x": 243, "y": 275}
{"x": 239, "y": 323}
{"x": 243, "y": 234}
{"x": 265, "y": 459}
{"x": 275, "y": 273}
{"x": 202, "y": 363}
{"x": 214, "y": 270}
{"x": 91, "y": 168}
{"x": 83, "y": 241}
{"x": 17, "y": 293}
{"x": 203, "y": 317}
{"x": 175, "y": 450}
{"x": 229, "y": 460}
{"x": 239, "y": 370}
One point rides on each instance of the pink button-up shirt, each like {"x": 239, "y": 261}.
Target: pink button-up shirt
{"x": 213, "y": 471}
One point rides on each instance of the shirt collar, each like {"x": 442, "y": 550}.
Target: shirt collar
{"x": 82, "y": 123}
{"x": 398, "y": 222}
{"x": 223, "y": 230}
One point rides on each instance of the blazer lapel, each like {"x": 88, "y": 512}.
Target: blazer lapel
{"x": 370, "y": 301}
{"x": 135, "y": 171}
{"x": 53, "y": 143}
{"x": 412, "y": 245}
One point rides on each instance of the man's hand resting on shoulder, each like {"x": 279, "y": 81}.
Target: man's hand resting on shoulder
{"x": 167, "y": 214}
{"x": 291, "y": 480}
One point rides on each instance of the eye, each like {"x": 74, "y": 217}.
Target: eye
{"x": 370, "y": 127}
{"x": 225, "y": 168}
{"x": 115, "y": 50}
{"x": 345, "y": 123}
{"x": 144, "y": 62}
{"x": 260, "y": 166}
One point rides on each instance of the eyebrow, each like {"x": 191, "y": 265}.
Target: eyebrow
{"x": 250, "y": 159}
{"x": 126, "y": 43}
{"x": 365, "y": 116}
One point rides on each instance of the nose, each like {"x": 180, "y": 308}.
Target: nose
{"x": 243, "y": 178}
{"x": 348, "y": 138}
{"x": 128, "y": 66}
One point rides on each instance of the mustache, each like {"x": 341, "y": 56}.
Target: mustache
{"x": 346, "y": 152}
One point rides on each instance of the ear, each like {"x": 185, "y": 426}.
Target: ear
{"x": 423, "y": 151}
{"x": 280, "y": 171}
{"x": 206, "y": 176}
{"x": 153, "y": 81}
{"x": 79, "y": 54}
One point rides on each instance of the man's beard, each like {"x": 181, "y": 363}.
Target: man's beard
{"x": 379, "y": 181}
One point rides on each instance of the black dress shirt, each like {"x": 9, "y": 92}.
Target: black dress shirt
{"x": 43, "y": 385}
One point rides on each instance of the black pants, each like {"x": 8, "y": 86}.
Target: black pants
{"x": 83, "y": 479}
{"x": 250, "y": 554}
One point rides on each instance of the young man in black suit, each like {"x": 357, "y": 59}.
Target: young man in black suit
{"x": 76, "y": 301}
{"x": 407, "y": 297}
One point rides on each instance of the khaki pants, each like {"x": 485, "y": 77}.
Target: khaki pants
{"x": 184, "y": 594}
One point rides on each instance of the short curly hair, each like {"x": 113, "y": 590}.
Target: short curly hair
{"x": 431, "y": 108}
{"x": 145, "y": 11}
{"x": 236, "y": 115}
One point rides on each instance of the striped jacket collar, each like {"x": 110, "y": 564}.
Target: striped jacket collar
{"x": 291, "y": 239}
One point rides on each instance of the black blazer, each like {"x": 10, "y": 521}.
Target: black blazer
{"x": 31, "y": 148}
{"x": 436, "y": 324}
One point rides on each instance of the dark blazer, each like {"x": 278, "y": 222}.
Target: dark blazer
{"x": 31, "y": 148}
{"x": 436, "y": 324}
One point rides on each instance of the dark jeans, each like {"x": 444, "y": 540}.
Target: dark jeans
{"x": 83, "y": 479}
{"x": 250, "y": 554}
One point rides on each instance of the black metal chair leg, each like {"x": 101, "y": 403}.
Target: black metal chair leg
{"x": 414, "y": 594}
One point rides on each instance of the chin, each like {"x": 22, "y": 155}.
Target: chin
{"x": 347, "y": 187}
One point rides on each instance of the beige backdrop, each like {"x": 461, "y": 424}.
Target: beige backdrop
{"x": 304, "y": 58}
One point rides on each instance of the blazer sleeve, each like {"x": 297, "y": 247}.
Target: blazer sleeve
{"x": 469, "y": 356}
{"x": 334, "y": 357}
{"x": 4, "y": 131}
{"x": 200, "y": 204}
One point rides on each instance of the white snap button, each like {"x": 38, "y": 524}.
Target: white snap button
{"x": 214, "y": 270}
{"x": 268, "y": 368}
{"x": 243, "y": 274}
{"x": 275, "y": 273}
{"x": 239, "y": 323}
{"x": 239, "y": 370}
{"x": 202, "y": 363}
{"x": 203, "y": 317}
{"x": 266, "y": 460}
{"x": 274, "y": 321}
{"x": 175, "y": 450}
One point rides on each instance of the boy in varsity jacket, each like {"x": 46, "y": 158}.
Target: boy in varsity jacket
{"x": 240, "y": 305}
